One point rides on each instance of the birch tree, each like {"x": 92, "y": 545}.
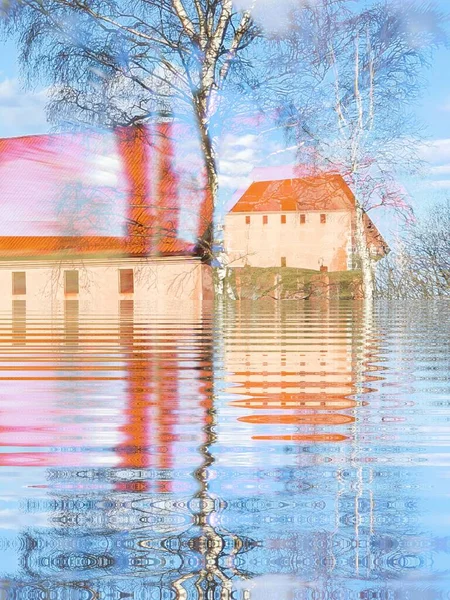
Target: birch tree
{"x": 356, "y": 117}
{"x": 120, "y": 63}
{"x": 419, "y": 266}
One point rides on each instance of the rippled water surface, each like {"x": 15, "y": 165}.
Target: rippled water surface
{"x": 271, "y": 450}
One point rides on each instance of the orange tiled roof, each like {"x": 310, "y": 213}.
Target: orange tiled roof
{"x": 45, "y": 246}
{"x": 322, "y": 192}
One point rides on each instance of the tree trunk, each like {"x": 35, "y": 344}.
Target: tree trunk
{"x": 364, "y": 254}
{"x": 206, "y": 216}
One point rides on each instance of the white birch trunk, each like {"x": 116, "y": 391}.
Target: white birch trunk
{"x": 364, "y": 255}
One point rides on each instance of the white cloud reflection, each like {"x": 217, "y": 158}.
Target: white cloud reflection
{"x": 272, "y": 587}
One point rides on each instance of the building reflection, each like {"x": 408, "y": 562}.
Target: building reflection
{"x": 295, "y": 379}
{"x": 150, "y": 481}
{"x": 19, "y": 322}
{"x": 127, "y": 510}
{"x": 293, "y": 462}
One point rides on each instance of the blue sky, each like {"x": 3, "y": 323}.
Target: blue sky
{"x": 22, "y": 112}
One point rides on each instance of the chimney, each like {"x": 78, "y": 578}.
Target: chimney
{"x": 134, "y": 149}
{"x": 167, "y": 201}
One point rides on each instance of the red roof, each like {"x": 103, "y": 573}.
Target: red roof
{"x": 322, "y": 192}
{"x": 46, "y": 246}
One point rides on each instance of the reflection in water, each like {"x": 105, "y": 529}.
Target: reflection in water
{"x": 312, "y": 465}
{"x": 19, "y": 322}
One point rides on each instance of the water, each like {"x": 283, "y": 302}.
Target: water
{"x": 271, "y": 451}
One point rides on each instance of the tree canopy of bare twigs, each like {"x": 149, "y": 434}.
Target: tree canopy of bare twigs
{"x": 419, "y": 266}
{"x": 356, "y": 116}
{"x": 118, "y": 63}
{"x": 340, "y": 80}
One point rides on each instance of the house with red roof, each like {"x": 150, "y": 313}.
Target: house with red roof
{"x": 98, "y": 217}
{"x": 301, "y": 222}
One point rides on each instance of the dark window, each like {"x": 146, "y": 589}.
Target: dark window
{"x": 302, "y": 219}
{"x": 71, "y": 284}
{"x": 126, "y": 281}
{"x": 247, "y": 220}
{"x": 283, "y": 261}
{"x": 283, "y": 219}
{"x": 19, "y": 283}
{"x": 323, "y": 218}
{"x": 265, "y": 220}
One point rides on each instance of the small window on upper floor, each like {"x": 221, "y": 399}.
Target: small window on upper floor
{"x": 323, "y": 218}
{"x": 247, "y": 220}
{"x": 265, "y": 219}
{"x": 302, "y": 219}
{"x": 126, "y": 281}
{"x": 71, "y": 282}
{"x": 283, "y": 219}
{"x": 19, "y": 283}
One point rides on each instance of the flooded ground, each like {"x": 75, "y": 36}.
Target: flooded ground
{"x": 273, "y": 451}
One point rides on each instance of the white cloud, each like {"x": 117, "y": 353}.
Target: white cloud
{"x": 21, "y": 112}
{"x": 436, "y": 152}
{"x": 236, "y": 166}
{"x": 272, "y": 587}
{"x": 441, "y": 170}
{"x": 272, "y": 15}
{"x": 441, "y": 184}
{"x": 237, "y": 158}
{"x": 105, "y": 170}
{"x": 234, "y": 182}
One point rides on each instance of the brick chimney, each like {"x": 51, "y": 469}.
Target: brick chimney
{"x": 134, "y": 149}
{"x": 167, "y": 200}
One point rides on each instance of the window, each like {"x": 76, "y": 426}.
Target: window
{"x": 302, "y": 219}
{"x": 247, "y": 220}
{"x": 265, "y": 219}
{"x": 19, "y": 283}
{"x": 283, "y": 261}
{"x": 71, "y": 284}
{"x": 126, "y": 281}
{"x": 323, "y": 218}
{"x": 283, "y": 219}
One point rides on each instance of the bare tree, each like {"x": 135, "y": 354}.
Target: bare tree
{"x": 356, "y": 116}
{"x": 419, "y": 267}
{"x": 120, "y": 63}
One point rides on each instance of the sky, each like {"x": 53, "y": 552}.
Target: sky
{"x": 22, "y": 112}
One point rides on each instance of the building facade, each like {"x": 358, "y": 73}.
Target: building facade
{"x": 305, "y": 223}
{"x": 92, "y": 219}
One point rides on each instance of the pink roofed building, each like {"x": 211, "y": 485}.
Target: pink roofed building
{"x": 100, "y": 217}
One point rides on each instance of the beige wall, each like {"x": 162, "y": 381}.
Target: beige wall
{"x": 160, "y": 286}
{"x": 303, "y": 372}
{"x": 305, "y": 246}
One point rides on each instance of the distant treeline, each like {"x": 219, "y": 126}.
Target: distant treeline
{"x": 419, "y": 265}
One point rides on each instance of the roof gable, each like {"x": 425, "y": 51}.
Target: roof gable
{"x": 322, "y": 192}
